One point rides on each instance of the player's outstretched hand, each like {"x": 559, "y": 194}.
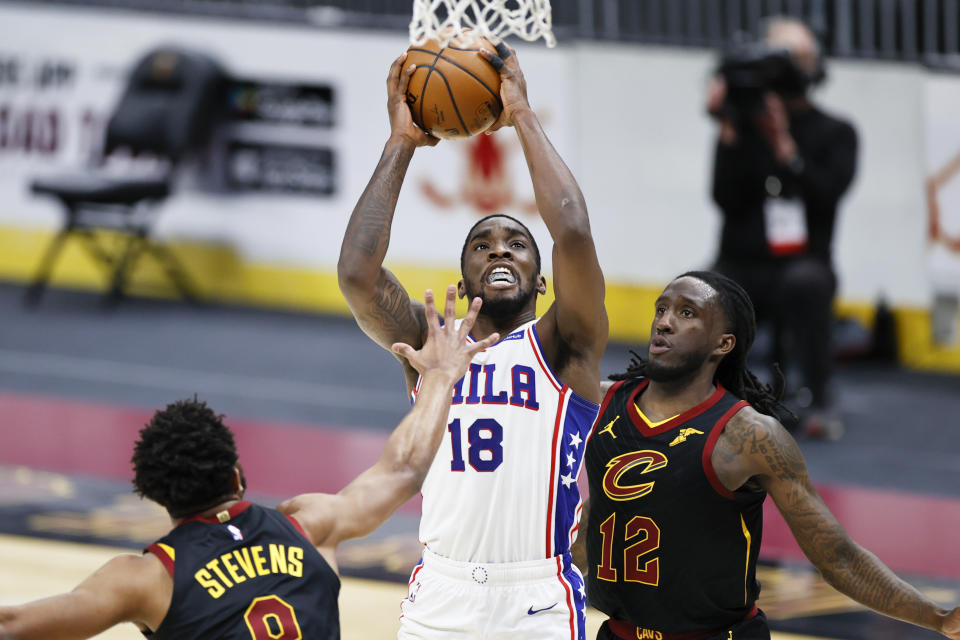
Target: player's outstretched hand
{"x": 446, "y": 350}
{"x": 513, "y": 86}
{"x": 401, "y": 120}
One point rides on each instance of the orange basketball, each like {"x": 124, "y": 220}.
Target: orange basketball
{"x": 454, "y": 93}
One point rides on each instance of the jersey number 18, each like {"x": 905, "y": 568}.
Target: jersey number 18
{"x": 485, "y": 445}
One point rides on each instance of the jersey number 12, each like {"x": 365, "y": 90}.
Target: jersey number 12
{"x": 638, "y": 566}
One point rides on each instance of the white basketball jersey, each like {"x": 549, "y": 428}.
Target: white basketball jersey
{"x": 503, "y": 487}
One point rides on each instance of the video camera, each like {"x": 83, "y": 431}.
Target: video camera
{"x": 752, "y": 69}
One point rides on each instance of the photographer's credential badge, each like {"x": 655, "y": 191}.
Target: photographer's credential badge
{"x": 785, "y": 221}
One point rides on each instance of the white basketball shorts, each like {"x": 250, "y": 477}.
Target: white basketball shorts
{"x": 538, "y": 599}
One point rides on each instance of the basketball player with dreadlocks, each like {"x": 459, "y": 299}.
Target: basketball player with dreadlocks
{"x": 500, "y": 503}
{"x": 680, "y": 460}
{"x": 233, "y": 570}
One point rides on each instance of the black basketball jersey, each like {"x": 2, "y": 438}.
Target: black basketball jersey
{"x": 248, "y": 574}
{"x": 670, "y": 549}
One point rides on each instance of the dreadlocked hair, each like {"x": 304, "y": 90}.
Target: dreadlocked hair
{"x": 184, "y": 458}
{"x": 732, "y": 372}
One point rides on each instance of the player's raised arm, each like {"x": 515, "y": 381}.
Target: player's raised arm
{"x": 377, "y": 299}
{"x": 578, "y": 314}
{"x": 757, "y": 446}
{"x": 375, "y": 494}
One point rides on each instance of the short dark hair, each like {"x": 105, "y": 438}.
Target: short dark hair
{"x": 533, "y": 241}
{"x": 184, "y": 458}
{"x": 732, "y": 371}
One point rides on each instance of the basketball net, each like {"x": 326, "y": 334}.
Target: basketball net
{"x": 530, "y": 20}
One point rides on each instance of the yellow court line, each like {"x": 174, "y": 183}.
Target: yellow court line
{"x": 221, "y": 274}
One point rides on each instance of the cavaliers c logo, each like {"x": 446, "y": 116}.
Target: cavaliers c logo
{"x": 616, "y": 467}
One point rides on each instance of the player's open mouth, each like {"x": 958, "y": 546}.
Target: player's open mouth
{"x": 501, "y": 276}
{"x": 659, "y": 345}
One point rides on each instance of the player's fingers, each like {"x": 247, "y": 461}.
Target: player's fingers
{"x": 405, "y": 78}
{"x": 450, "y": 309}
{"x": 467, "y": 323}
{"x": 394, "y": 73}
{"x": 403, "y": 81}
{"x": 489, "y": 341}
{"x": 432, "y": 141}
{"x": 495, "y": 61}
{"x": 402, "y": 349}
{"x": 430, "y": 311}
{"x": 503, "y": 50}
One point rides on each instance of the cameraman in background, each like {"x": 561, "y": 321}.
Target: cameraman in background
{"x": 780, "y": 169}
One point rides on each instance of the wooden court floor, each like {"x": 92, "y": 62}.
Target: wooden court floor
{"x": 33, "y": 568}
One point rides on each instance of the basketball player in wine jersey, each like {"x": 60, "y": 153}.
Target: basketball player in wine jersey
{"x": 685, "y": 450}
{"x": 500, "y": 503}
{"x": 233, "y": 570}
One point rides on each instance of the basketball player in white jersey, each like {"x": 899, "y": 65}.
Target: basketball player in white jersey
{"x": 500, "y": 503}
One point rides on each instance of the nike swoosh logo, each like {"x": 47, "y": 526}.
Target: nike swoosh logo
{"x": 532, "y": 611}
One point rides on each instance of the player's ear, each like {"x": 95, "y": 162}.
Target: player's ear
{"x": 541, "y": 284}
{"x": 727, "y": 342}
{"x": 461, "y": 289}
{"x": 239, "y": 482}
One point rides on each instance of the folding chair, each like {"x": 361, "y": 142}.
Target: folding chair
{"x": 172, "y": 102}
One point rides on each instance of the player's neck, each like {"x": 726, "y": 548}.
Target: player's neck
{"x": 665, "y": 399}
{"x": 504, "y": 325}
{"x": 212, "y": 511}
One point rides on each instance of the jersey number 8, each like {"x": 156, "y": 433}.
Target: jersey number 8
{"x": 270, "y": 618}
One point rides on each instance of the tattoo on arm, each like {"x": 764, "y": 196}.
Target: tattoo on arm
{"x": 781, "y": 454}
{"x": 369, "y": 228}
{"x": 392, "y": 307}
{"x": 368, "y": 232}
{"x": 844, "y": 564}
{"x": 378, "y": 301}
